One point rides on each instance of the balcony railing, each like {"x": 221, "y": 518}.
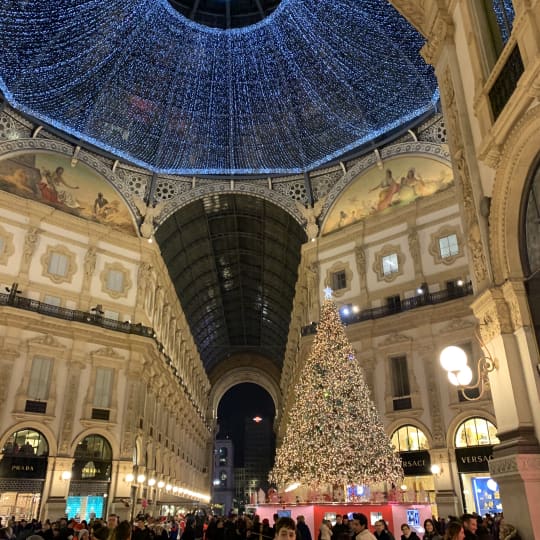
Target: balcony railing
{"x": 406, "y": 304}
{"x": 506, "y": 82}
{"x": 66, "y": 314}
{"x": 13, "y": 299}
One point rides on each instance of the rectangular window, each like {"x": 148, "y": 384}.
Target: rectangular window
{"x": 115, "y": 280}
{"x": 103, "y": 388}
{"x": 52, "y": 300}
{"x": 339, "y": 280}
{"x": 58, "y": 264}
{"x": 390, "y": 264}
{"x": 401, "y": 390}
{"x": 448, "y": 246}
{"x": 40, "y": 378}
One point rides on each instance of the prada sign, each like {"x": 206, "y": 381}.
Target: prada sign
{"x": 416, "y": 463}
{"x": 23, "y": 467}
{"x": 474, "y": 458}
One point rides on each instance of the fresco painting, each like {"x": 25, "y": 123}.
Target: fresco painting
{"x": 401, "y": 181}
{"x": 80, "y": 191}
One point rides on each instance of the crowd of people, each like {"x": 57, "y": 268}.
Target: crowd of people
{"x": 233, "y": 527}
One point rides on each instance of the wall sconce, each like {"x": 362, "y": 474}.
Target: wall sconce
{"x": 129, "y": 478}
{"x": 454, "y": 360}
{"x": 436, "y": 470}
{"x": 66, "y": 476}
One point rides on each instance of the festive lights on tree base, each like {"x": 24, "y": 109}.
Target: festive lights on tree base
{"x": 334, "y": 435}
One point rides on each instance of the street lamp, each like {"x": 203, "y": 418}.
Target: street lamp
{"x": 454, "y": 360}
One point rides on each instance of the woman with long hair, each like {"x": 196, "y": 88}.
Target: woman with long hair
{"x": 431, "y": 532}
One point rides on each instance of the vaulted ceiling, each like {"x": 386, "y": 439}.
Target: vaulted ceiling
{"x": 234, "y": 260}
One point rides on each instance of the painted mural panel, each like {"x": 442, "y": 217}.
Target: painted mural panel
{"x": 402, "y": 180}
{"x": 50, "y": 179}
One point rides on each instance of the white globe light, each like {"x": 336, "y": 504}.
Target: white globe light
{"x": 152, "y": 482}
{"x": 141, "y": 478}
{"x": 461, "y": 378}
{"x": 129, "y": 478}
{"x": 161, "y": 484}
{"x": 453, "y": 358}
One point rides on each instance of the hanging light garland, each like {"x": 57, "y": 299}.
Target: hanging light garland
{"x": 137, "y": 79}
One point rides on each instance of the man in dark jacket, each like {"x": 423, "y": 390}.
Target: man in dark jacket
{"x": 470, "y": 524}
{"x": 302, "y": 529}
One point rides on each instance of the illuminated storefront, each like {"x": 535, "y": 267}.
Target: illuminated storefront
{"x": 90, "y": 478}
{"x": 474, "y": 448}
{"x": 23, "y": 468}
{"x": 413, "y": 448}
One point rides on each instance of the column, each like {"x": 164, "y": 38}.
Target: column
{"x": 505, "y": 330}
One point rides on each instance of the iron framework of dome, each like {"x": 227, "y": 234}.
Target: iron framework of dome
{"x": 225, "y": 13}
{"x": 138, "y": 79}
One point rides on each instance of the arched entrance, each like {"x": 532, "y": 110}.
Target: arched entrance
{"x": 245, "y": 441}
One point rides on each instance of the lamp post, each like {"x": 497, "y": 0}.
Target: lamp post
{"x": 454, "y": 360}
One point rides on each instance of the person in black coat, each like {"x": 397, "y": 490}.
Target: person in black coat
{"x": 407, "y": 534}
{"x": 303, "y": 532}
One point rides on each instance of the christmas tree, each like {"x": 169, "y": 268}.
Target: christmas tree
{"x": 334, "y": 434}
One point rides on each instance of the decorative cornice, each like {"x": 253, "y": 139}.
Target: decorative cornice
{"x": 106, "y": 352}
{"x": 46, "y": 340}
{"x": 394, "y": 338}
{"x": 456, "y": 324}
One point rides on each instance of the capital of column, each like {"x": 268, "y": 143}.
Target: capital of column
{"x": 493, "y": 314}
{"x": 441, "y": 32}
{"x": 527, "y": 466}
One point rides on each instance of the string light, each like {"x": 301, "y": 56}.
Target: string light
{"x": 334, "y": 434}
{"x": 305, "y": 85}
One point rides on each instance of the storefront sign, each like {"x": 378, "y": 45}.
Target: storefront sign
{"x": 416, "y": 463}
{"x": 474, "y": 458}
{"x": 23, "y": 467}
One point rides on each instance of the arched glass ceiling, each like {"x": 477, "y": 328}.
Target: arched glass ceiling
{"x": 234, "y": 262}
{"x": 313, "y": 80}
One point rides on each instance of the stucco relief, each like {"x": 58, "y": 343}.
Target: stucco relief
{"x": 524, "y": 464}
{"x": 492, "y": 311}
{"x": 474, "y": 237}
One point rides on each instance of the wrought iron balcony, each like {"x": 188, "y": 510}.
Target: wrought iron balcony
{"x": 66, "y": 314}
{"x": 406, "y": 304}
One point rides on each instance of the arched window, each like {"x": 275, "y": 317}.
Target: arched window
{"x": 409, "y": 439}
{"x": 476, "y": 432}
{"x": 28, "y": 443}
{"x": 93, "y": 459}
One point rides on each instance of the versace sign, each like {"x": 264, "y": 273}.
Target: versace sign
{"x": 474, "y": 458}
{"x": 416, "y": 463}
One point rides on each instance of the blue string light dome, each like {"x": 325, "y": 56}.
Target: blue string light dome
{"x": 311, "y": 81}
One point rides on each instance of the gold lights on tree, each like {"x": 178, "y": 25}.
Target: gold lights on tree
{"x": 334, "y": 434}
